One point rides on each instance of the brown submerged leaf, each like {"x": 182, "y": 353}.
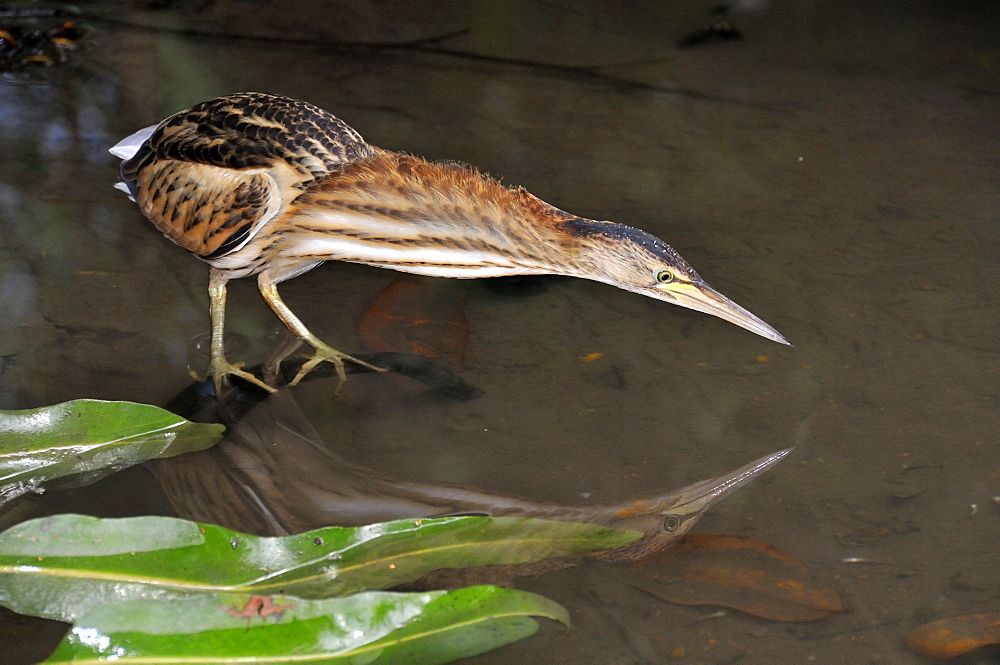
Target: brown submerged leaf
{"x": 741, "y": 573}
{"x": 417, "y": 315}
{"x": 949, "y": 638}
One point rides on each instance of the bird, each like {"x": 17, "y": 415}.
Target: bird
{"x": 260, "y": 184}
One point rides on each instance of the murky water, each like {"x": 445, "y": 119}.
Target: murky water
{"x": 835, "y": 172}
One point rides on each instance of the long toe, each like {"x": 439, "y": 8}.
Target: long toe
{"x": 221, "y": 369}
{"x": 326, "y": 353}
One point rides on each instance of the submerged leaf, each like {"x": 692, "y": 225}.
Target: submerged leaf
{"x": 91, "y": 439}
{"x": 949, "y": 638}
{"x": 62, "y": 566}
{"x": 743, "y": 574}
{"x": 417, "y": 315}
{"x": 372, "y": 627}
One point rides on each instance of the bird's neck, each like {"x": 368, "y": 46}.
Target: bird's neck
{"x": 443, "y": 219}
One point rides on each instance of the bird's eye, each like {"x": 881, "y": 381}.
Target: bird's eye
{"x": 670, "y": 524}
{"x": 664, "y": 276}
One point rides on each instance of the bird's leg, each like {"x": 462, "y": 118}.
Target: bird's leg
{"x": 323, "y": 351}
{"x": 218, "y": 366}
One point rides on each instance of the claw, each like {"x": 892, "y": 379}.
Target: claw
{"x": 325, "y": 353}
{"x": 220, "y": 368}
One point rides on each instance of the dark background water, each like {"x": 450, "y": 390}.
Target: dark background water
{"x": 835, "y": 172}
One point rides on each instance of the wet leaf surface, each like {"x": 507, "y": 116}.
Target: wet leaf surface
{"x": 419, "y": 316}
{"x": 372, "y": 627}
{"x": 950, "y": 638}
{"x": 61, "y": 567}
{"x": 741, "y": 573}
{"x": 89, "y": 439}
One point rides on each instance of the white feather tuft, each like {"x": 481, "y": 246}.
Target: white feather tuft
{"x": 123, "y": 187}
{"x": 128, "y": 146}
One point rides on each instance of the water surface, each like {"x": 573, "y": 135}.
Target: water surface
{"x": 835, "y": 172}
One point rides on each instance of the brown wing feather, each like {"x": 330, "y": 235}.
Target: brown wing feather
{"x": 211, "y": 176}
{"x": 254, "y": 130}
{"x": 207, "y": 210}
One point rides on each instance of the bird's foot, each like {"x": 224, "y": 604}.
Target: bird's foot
{"x": 329, "y": 354}
{"x": 220, "y": 368}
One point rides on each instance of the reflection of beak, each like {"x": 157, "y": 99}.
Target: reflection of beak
{"x": 703, "y": 298}
{"x": 694, "y": 500}
{"x": 664, "y": 518}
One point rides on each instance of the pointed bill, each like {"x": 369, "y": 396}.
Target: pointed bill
{"x": 694, "y": 500}
{"x": 701, "y": 297}
{"x": 666, "y": 517}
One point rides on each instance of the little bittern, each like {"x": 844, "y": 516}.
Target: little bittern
{"x": 255, "y": 184}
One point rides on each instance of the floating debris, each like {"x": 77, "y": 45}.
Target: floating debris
{"x": 24, "y": 46}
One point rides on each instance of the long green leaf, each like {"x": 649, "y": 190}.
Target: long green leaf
{"x": 91, "y": 439}
{"x": 62, "y": 566}
{"x": 372, "y": 627}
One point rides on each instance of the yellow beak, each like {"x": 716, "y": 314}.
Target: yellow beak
{"x": 703, "y": 298}
{"x": 693, "y": 500}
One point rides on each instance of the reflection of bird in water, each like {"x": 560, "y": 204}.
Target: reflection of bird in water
{"x": 255, "y": 184}
{"x": 274, "y": 475}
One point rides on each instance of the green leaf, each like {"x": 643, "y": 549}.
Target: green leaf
{"x": 62, "y": 566}
{"x": 372, "y": 627}
{"x": 90, "y": 439}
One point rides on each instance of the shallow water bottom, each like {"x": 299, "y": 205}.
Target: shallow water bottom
{"x": 834, "y": 171}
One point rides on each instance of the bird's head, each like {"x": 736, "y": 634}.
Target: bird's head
{"x": 634, "y": 260}
{"x": 664, "y": 518}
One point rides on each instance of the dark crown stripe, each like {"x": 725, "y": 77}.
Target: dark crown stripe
{"x": 581, "y": 228}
